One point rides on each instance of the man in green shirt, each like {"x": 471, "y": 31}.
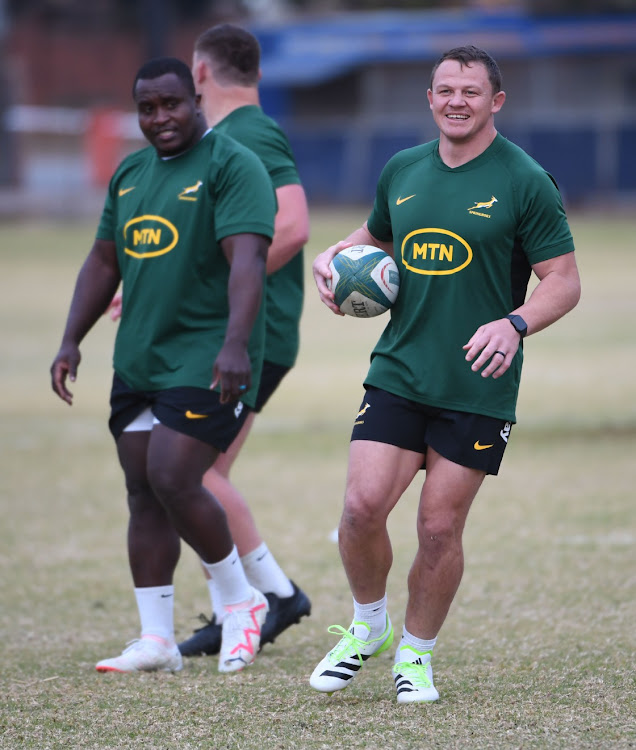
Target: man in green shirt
{"x": 467, "y": 218}
{"x": 186, "y": 226}
{"x": 226, "y": 69}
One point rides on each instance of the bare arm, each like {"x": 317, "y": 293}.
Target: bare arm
{"x": 96, "y": 284}
{"x": 247, "y": 255}
{"x": 321, "y": 270}
{"x": 291, "y": 227}
{"x": 558, "y": 292}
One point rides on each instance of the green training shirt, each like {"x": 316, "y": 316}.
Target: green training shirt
{"x": 167, "y": 218}
{"x": 464, "y": 242}
{"x": 250, "y": 126}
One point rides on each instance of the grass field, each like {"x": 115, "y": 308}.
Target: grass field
{"x": 539, "y": 647}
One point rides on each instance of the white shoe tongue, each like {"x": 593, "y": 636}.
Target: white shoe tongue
{"x": 360, "y": 630}
{"x": 404, "y": 653}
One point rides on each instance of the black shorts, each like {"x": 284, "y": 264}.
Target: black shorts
{"x": 197, "y": 412}
{"x": 271, "y": 376}
{"x": 471, "y": 440}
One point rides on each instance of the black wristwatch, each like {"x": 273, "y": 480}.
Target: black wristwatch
{"x": 519, "y": 324}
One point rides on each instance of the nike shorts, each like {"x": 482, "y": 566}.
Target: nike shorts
{"x": 197, "y": 412}
{"x": 471, "y": 440}
{"x": 271, "y": 376}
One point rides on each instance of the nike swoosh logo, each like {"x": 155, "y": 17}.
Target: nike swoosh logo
{"x": 479, "y": 447}
{"x": 192, "y": 415}
{"x": 123, "y": 191}
{"x": 399, "y": 201}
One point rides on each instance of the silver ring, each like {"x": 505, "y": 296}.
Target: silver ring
{"x": 503, "y": 354}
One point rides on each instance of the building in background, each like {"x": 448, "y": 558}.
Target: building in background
{"x": 352, "y": 90}
{"x": 348, "y": 87}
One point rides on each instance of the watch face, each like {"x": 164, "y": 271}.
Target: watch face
{"x": 519, "y": 324}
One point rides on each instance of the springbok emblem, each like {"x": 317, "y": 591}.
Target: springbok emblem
{"x": 185, "y": 193}
{"x": 485, "y": 204}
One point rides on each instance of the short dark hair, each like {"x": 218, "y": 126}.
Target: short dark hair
{"x": 470, "y": 54}
{"x": 160, "y": 66}
{"x": 233, "y": 52}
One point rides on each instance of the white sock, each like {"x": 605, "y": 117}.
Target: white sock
{"x": 229, "y": 580}
{"x": 156, "y": 611}
{"x": 217, "y": 608}
{"x": 373, "y": 614}
{"x": 419, "y": 644}
{"x": 265, "y": 574}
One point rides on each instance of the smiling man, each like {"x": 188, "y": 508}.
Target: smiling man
{"x": 467, "y": 217}
{"x": 186, "y": 226}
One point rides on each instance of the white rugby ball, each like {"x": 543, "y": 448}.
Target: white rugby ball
{"x": 365, "y": 281}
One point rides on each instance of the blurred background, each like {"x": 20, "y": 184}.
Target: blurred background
{"x": 346, "y": 79}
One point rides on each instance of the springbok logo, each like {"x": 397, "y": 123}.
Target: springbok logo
{"x": 149, "y": 236}
{"x": 186, "y": 193}
{"x": 485, "y": 204}
{"x": 362, "y": 411}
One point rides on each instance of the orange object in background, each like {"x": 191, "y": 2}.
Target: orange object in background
{"x": 103, "y": 143}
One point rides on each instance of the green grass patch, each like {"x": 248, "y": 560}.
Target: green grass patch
{"x": 538, "y": 648}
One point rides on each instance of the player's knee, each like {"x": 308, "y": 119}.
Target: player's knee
{"x": 168, "y": 484}
{"x": 438, "y": 534}
{"x": 362, "y": 511}
{"x": 140, "y": 495}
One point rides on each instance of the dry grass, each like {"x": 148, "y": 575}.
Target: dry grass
{"x": 538, "y": 648}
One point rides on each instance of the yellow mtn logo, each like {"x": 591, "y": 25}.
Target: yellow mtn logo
{"x": 187, "y": 194}
{"x": 435, "y": 252}
{"x": 148, "y": 236}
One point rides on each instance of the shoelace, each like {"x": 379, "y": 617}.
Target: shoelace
{"x": 347, "y": 643}
{"x": 206, "y": 622}
{"x": 234, "y": 620}
{"x": 416, "y": 673}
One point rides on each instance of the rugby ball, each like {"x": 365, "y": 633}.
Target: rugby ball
{"x": 365, "y": 281}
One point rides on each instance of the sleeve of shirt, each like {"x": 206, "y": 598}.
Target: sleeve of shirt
{"x": 543, "y": 229}
{"x": 379, "y": 221}
{"x": 245, "y": 200}
{"x": 106, "y": 226}
{"x": 276, "y": 154}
